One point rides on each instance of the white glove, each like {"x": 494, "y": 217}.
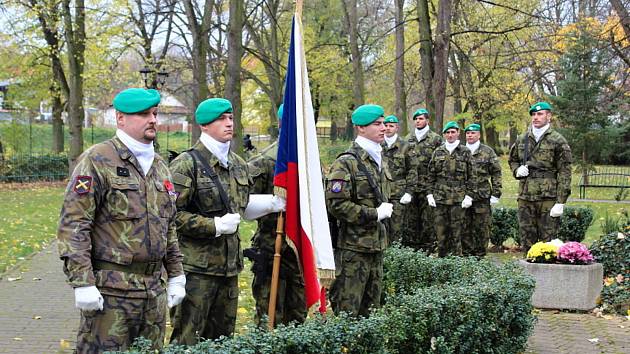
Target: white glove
{"x": 88, "y": 298}
{"x": 522, "y": 171}
{"x": 431, "y": 201}
{"x": 556, "y": 210}
{"x": 406, "y": 199}
{"x": 467, "y": 202}
{"x": 176, "y": 290}
{"x": 494, "y": 200}
{"x": 384, "y": 211}
{"x": 263, "y": 204}
{"x": 226, "y": 224}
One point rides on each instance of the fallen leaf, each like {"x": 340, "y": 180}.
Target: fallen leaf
{"x": 64, "y": 344}
{"x": 36, "y": 279}
{"x": 607, "y": 317}
{"x": 594, "y": 340}
{"x": 17, "y": 339}
{"x": 37, "y": 317}
{"x": 14, "y": 279}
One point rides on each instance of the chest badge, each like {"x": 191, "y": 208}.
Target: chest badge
{"x": 337, "y": 186}
{"x": 122, "y": 171}
{"x": 82, "y": 184}
{"x": 170, "y": 188}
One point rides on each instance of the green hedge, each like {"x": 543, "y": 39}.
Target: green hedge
{"x": 27, "y": 168}
{"x": 445, "y": 305}
{"x": 573, "y": 224}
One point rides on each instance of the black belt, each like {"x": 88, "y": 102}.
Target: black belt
{"x": 542, "y": 174}
{"x": 145, "y": 268}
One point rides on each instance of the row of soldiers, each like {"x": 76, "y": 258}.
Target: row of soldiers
{"x": 138, "y": 236}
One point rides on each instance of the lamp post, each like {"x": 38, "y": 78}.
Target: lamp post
{"x": 153, "y": 80}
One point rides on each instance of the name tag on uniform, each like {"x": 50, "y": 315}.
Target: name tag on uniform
{"x": 122, "y": 171}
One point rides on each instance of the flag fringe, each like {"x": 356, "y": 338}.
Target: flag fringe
{"x": 326, "y": 277}
{"x": 280, "y": 192}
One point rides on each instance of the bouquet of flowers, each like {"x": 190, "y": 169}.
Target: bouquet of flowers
{"x": 574, "y": 253}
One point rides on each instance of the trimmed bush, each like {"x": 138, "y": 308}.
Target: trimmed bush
{"x": 27, "y": 168}
{"x": 504, "y": 225}
{"x": 613, "y": 252}
{"x": 445, "y": 305}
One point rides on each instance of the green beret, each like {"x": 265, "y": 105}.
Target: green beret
{"x": 420, "y": 112}
{"x": 473, "y": 128}
{"x": 540, "y": 106}
{"x": 391, "y": 119}
{"x": 134, "y": 100}
{"x": 211, "y": 109}
{"x": 280, "y": 111}
{"x": 366, "y": 114}
{"x": 450, "y": 125}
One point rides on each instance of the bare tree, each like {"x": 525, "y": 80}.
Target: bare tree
{"x": 233, "y": 77}
{"x": 399, "y": 77}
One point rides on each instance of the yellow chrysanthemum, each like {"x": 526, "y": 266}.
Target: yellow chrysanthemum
{"x": 542, "y": 252}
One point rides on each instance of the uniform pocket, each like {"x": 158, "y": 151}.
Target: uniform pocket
{"x": 124, "y": 201}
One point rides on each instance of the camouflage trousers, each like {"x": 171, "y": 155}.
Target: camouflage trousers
{"x": 419, "y": 232}
{"x": 290, "y": 301}
{"x": 449, "y": 223}
{"x": 358, "y": 282}
{"x": 120, "y": 322}
{"x": 208, "y": 310}
{"x": 534, "y": 222}
{"x": 476, "y": 234}
{"x": 397, "y": 221}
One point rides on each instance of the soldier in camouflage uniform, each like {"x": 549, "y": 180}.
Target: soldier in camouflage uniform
{"x": 360, "y": 211}
{"x": 420, "y": 233}
{"x": 450, "y": 185}
{"x": 117, "y": 234}
{"x": 541, "y": 161}
{"x": 291, "y": 303}
{"x": 486, "y": 192}
{"x": 396, "y": 153}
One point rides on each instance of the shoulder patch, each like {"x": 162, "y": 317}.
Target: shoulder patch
{"x": 337, "y": 186}
{"x": 82, "y": 184}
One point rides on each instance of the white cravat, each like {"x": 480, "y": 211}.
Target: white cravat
{"x": 451, "y": 146}
{"x": 421, "y": 133}
{"x": 390, "y": 141}
{"x": 538, "y": 132}
{"x": 217, "y": 148}
{"x": 373, "y": 149}
{"x": 473, "y": 147}
{"x": 144, "y": 153}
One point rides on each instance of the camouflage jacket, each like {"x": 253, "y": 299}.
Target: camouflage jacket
{"x": 486, "y": 172}
{"x": 199, "y": 202}
{"x": 420, "y": 153}
{"x": 399, "y": 164}
{"x": 262, "y": 169}
{"x": 450, "y": 175}
{"x": 351, "y": 200}
{"x": 549, "y": 165}
{"x": 113, "y": 213}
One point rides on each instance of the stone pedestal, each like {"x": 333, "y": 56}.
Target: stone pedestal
{"x": 565, "y": 286}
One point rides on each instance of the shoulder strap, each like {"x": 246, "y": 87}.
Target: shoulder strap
{"x": 213, "y": 175}
{"x": 526, "y": 147}
{"x": 367, "y": 173}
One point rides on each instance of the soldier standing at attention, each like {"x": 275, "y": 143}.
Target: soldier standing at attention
{"x": 450, "y": 185}
{"x": 213, "y": 186}
{"x": 117, "y": 234}
{"x": 291, "y": 303}
{"x": 487, "y": 191}
{"x": 419, "y": 233}
{"x": 541, "y": 161}
{"x": 356, "y": 194}
{"x": 395, "y": 152}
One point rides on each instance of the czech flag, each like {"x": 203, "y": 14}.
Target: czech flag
{"x": 299, "y": 178}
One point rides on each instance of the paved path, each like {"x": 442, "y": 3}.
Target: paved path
{"x": 37, "y": 315}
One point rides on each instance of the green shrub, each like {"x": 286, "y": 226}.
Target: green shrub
{"x": 26, "y": 168}
{"x": 574, "y": 223}
{"x": 504, "y": 225}
{"x": 613, "y": 252}
{"x": 445, "y": 305}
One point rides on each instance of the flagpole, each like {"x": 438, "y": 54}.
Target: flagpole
{"x": 275, "y": 275}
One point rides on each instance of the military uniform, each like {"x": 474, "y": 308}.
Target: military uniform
{"x": 117, "y": 232}
{"x": 420, "y": 233}
{"x": 548, "y": 183}
{"x": 362, "y": 239}
{"x": 211, "y": 263}
{"x": 291, "y": 303}
{"x": 486, "y": 183}
{"x": 399, "y": 164}
{"x": 450, "y": 180}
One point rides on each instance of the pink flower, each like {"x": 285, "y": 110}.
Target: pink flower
{"x": 574, "y": 253}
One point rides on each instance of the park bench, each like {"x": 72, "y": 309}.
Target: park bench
{"x": 605, "y": 177}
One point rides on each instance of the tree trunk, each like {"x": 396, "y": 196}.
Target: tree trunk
{"x": 75, "y": 39}
{"x": 624, "y": 17}
{"x": 442, "y": 43}
{"x": 426, "y": 56}
{"x": 358, "y": 89}
{"x": 399, "y": 77}
{"x": 233, "y": 77}
{"x": 492, "y": 139}
{"x": 57, "y": 121}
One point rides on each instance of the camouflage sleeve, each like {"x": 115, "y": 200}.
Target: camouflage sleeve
{"x": 470, "y": 176}
{"x": 513, "y": 159}
{"x": 78, "y": 212}
{"x": 190, "y": 224}
{"x": 174, "y": 258}
{"x": 260, "y": 175}
{"x": 431, "y": 178}
{"x": 495, "y": 175}
{"x": 563, "y": 164}
{"x": 339, "y": 196}
{"x": 411, "y": 180}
